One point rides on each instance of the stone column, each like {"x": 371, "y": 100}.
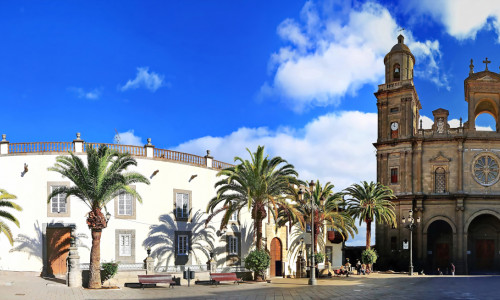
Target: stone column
{"x": 209, "y": 159}
{"x": 461, "y": 247}
{"x": 4, "y": 145}
{"x": 74, "y": 274}
{"x": 149, "y": 149}
{"x": 418, "y": 173}
{"x": 460, "y": 171}
{"x": 78, "y": 144}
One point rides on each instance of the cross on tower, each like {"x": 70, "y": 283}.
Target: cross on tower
{"x": 486, "y": 62}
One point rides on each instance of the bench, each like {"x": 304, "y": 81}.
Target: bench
{"x": 154, "y": 279}
{"x": 218, "y": 277}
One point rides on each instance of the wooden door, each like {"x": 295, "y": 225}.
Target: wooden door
{"x": 276, "y": 262}
{"x": 442, "y": 255}
{"x": 485, "y": 254}
{"x": 58, "y": 242}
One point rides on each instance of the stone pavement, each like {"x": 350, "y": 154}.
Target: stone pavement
{"x": 27, "y": 285}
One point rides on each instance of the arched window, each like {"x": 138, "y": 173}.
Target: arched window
{"x": 397, "y": 72}
{"x": 440, "y": 180}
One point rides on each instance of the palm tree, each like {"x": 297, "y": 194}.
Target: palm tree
{"x": 5, "y": 201}
{"x": 258, "y": 184}
{"x": 97, "y": 184}
{"x": 328, "y": 208}
{"x": 371, "y": 202}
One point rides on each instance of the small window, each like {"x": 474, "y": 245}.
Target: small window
{"x": 234, "y": 217}
{"x": 57, "y": 203}
{"x": 440, "y": 181}
{"x": 182, "y": 205}
{"x": 394, "y": 175}
{"x": 397, "y": 72}
{"x": 125, "y": 207}
{"x": 125, "y": 244}
{"x": 182, "y": 245}
{"x": 233, "y": 245}
{"x": 394, "y": 109}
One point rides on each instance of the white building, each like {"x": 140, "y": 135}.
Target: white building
{"x": 170, "y": 220}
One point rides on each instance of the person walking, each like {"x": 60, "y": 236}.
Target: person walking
{"x": 452, "y": 269}
{"x": 358, "y": 267}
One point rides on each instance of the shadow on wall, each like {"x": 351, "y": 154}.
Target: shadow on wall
{"x": 33, "y": 246}
{"x": 162, "y": 239}
{"x": 247, "y": 242}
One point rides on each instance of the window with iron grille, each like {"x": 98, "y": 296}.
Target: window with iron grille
{"x": 182, "y": 245}
{"x": 125, "y": 248}
{"x": 233, "y": 245}
{"x": 440, "y": 181}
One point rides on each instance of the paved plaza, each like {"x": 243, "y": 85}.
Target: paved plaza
{"x": 26, "y": 285}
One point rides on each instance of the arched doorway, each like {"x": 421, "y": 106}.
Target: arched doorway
{"x": 483, "y": 245}
{"x": 439, "y": 246}
{"x": 276, "y": 258}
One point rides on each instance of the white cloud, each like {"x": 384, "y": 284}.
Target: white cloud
{"x": 461, "y": 18}
{"x": 149, "y": 80}
{"x": 328, "y": 54}
{"x": 87, "y": 94}
{"x": 128, "y": 138}
{"x": 333, "y": 147}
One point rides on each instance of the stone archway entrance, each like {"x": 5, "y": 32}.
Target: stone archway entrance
{"x": 276, "y": 258}
{"x": 483, "y": 244}
{"x": 439, "y": 246}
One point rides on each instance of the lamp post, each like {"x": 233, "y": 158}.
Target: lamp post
{"x": 411, "y": 226}
{"x": 312, "y": 278}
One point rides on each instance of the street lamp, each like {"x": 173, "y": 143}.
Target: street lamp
{"x": 411, "y": 226}
{"x": 312, "y": 278}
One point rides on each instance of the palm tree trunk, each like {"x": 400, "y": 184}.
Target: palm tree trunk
{"x": 259, "y": 233}
{"x": 95, "y": 260}
{"x": 368, "y": 234}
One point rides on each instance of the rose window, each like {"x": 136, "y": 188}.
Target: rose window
{"x": 486, "y": 170}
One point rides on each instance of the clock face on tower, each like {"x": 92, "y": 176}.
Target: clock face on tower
{"x": 394, "y": 126}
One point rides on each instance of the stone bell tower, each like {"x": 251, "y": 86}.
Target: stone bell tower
{"x": 397, "y": 99}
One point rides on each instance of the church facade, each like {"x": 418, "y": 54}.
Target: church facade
{"x": 447, "y": 176}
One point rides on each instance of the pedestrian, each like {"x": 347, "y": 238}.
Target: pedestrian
{"x": 363, "y": 269}
{"x": 452, "y": 268}
{"x": 438, "y": 272}
{"x": 358, "y": 267}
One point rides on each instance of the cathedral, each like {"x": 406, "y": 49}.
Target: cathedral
{"x": 447, "y": 177}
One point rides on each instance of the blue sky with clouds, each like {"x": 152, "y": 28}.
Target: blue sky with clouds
{"x": 295, "y": 76}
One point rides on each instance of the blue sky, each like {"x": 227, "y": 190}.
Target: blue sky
{"x": 295, "y": 76}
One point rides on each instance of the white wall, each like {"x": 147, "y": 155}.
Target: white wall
{"x": 31, "y": 190}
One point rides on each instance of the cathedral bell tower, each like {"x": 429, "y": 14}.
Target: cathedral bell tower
{"x": 397, "y": 99}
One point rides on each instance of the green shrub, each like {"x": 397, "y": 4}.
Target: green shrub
{"x": 109, "y": 270}
{"x": 257, "y": 261}
{"x": 319, "y": 257}
{"x": 369, "y": 256}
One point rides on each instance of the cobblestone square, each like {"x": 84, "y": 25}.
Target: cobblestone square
{"x": 25, "y": 285}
